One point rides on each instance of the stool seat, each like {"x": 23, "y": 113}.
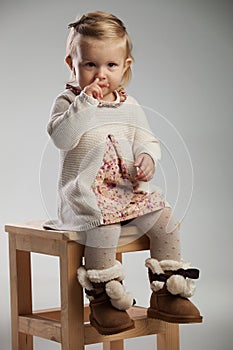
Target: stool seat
{"x": 69, "y": 325}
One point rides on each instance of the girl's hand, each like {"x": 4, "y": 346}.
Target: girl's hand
{"x": 146, "y": 167}
{"x": 95, "y": 89}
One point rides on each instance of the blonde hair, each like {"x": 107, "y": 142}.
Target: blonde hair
{"x": 99, "y": 25}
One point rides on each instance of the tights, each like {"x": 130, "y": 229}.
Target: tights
{"x": 160, "y": 226}
{"x": 100, "y": 246}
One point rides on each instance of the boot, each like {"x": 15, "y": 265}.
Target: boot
{"x": 108, "y": 299}
{"x": 172, "y": 284}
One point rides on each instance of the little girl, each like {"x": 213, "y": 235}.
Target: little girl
{"x": 108, "y": 155}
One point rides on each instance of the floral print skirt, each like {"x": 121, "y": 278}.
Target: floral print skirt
{"x": 116, "y": 190}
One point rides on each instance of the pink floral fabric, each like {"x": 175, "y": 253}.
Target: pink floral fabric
{"x": 116, "y": 190}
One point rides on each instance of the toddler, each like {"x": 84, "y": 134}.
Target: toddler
{"x": 108, "y": 155}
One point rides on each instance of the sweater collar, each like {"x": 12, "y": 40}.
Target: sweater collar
{"x": 120, "y": 94}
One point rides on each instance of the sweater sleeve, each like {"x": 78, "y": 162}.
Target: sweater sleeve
{"x": 144, "y": 139}
{"x": 70, "y": 118}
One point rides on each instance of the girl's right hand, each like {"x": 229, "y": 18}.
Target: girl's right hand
{"x": 95, "y": 90}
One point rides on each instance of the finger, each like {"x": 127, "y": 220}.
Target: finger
{"x": 92, "y": 90}
{"x": 92, "y": 85}
{"x": 138, "y": 161}
{"x": 97, "y": 92}
{"x": 96, "y": 89}
{"x": 100, "y": 84}
{"x": 140, "y": 173}
{"x": 147, "y": 177}
{"x": 144, "y": 175}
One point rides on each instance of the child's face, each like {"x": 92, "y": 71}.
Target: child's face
{"x": 103, "y": 59}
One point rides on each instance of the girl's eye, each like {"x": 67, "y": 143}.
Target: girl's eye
{"x": 111, "y": 64}
{"x": 90, "y": 64}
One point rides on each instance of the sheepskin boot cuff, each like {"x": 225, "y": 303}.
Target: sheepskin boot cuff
{"x": 156, "y": 274}
{"x": 112, "y": 279}
{"x": 120, "y": 298}
{"x": 177, "y": 275}
{"x": 108, "y": 280}
{"x": 86, "y": 277}
{"x": 115, "y": 272}
{"x": 85, "y": 282}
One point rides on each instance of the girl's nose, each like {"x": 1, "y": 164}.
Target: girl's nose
{"x": 101, "y": 74}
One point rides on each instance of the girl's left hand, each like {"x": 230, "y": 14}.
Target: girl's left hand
{"x": 146, "y": 167}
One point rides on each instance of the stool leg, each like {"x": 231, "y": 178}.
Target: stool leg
{"x": 21, "y": 295}
{"x": 114, "y": 345}
{"x": 170, "y": 339}
{"x": 72, "y": 306}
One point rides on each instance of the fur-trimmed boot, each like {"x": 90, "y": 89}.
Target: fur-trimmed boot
{"x": 172, "y": 283}
{"x": 108, "y": 299}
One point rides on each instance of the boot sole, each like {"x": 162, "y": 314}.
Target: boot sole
{"x": 109, "y": 331}
{"x": 151, "y": 313}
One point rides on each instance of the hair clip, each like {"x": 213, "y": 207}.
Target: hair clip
{"x": 79, "y": 21}
{"x": 73, "y": 25}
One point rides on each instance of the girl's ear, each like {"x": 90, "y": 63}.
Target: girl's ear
{"x": 128, "y": 63}
{"x": 68, "y": 60}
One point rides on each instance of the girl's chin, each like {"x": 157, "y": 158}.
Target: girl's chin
{"x": 109, "y": 96}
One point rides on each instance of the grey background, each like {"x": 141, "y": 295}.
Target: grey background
{"x": 183, "y": 69}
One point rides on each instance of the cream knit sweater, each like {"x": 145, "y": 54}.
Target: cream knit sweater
{"x": 79, "y": 126}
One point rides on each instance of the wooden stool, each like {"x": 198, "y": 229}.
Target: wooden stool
{"x": 68, "y": 325}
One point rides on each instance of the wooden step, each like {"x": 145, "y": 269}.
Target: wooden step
{"x": 46, "y": 324}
